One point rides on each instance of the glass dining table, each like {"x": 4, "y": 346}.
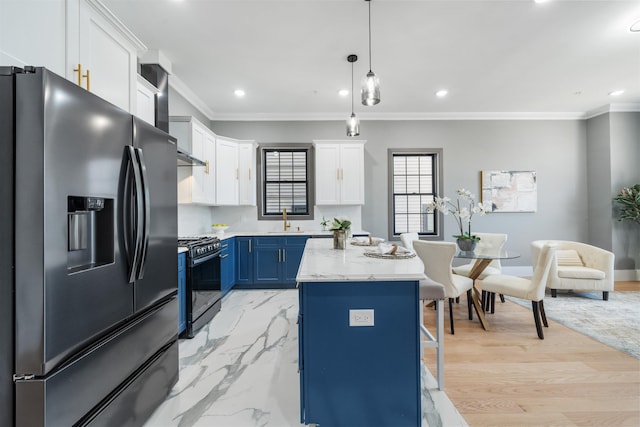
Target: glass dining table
{"x": 482, "y": 259}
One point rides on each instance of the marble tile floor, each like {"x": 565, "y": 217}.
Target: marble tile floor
{"x": 241, "y": 370}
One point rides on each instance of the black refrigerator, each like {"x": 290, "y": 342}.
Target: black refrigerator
{"x": 88, "y": 263}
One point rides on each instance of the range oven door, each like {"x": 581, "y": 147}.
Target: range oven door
{"x": 204, "y": 291}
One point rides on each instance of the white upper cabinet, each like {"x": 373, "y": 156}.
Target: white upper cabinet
{"x": 146, "y": 100}
{"x": 83, "y": 41}
{"x": 247, "y": 173}
{"x": 196, "y": 184}
{"x": 227, "y": 174}
{"x": 339, "y": 172}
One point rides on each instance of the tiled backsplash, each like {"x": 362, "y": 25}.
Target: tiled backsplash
{"x": 197, "y": 220}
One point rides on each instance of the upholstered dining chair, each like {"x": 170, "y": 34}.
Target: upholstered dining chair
{"x": 408, "y": 238}
{"x": 489, "y": 242}
{"x": 437, "y": 258}
{"x": 532, "y": 290}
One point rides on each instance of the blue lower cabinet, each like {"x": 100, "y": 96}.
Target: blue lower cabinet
{"x": 227, "y": 265}
{"x": 182, "y": 285}
{"x": 244, "y": 262}
{"x": 359, "y": 375}
{"x": 276, "y": 261}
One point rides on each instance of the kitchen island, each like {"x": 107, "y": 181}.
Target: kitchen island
{"x": 358, "y": 336}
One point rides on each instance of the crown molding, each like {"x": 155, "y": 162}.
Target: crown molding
{"x": 397, "y": 116}
{"x": 629, "y": 107}
{"x": 179, "y": 86}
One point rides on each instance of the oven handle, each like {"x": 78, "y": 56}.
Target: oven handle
{"x": 205, "y": 259}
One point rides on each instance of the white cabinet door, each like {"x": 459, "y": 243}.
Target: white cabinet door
{"x": 246, "y": 172}
{"x": 34, "y": 32}
{"x": 196, "y": 184}
{"x": 339, "y": 173}
{"x": 209, "y": 174}
{"x": 108, "y": 59}
{"x": 145, "y": 101}
{"x": 226, "y": 172}
{"x": 327, "y": 174}
{"x": 352, "y": 174}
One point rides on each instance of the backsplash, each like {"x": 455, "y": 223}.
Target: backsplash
{"x": 196, "y": 220}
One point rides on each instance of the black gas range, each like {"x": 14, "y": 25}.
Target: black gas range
{"x": 203, "y": 292}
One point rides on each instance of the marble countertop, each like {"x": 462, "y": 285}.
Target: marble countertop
{"x": 321, "y": 263}
{"x": 315, "y": 233}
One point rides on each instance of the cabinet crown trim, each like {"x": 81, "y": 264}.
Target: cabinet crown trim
{"x": 339, "y": 141}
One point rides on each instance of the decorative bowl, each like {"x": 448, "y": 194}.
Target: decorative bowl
{"x": 219, "y": 228}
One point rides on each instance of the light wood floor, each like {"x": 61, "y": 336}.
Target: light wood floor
{"x": 508, "y": 377}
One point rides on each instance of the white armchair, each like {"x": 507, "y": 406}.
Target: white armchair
{"x": 577, "y": 266}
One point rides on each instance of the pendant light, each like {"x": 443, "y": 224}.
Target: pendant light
{"x": 353, "y": 124}
{"x": 370, "y": 92}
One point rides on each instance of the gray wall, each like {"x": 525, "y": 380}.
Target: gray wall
{"x": 625, "y": 171}
{"x": 179, "y": 106}
{"x": 555, "y": 149}
{"x": 599, "y": 182}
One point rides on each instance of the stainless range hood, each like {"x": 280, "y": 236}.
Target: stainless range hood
{"x": 186, "y": 159}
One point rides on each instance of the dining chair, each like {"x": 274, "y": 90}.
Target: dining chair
{"x": 528, "y": 289}
{"x": 437, "y": 258}
{"x": 408, "y": 238}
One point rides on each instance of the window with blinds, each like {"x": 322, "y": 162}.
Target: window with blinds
{"x": 285, "y": 182}
{"x": 414, "y": 184}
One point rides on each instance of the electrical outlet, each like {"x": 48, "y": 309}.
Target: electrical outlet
{"x": 361, "y": 317}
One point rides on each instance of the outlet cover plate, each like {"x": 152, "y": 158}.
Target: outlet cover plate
{"x": 361, "y": 317}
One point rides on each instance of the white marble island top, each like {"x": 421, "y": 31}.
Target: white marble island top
{"x": 321, "y": 263}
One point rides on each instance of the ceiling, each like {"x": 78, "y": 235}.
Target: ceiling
{"x": 496, "y": 58}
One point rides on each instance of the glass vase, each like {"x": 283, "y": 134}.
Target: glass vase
{"x": 339, "y": 239}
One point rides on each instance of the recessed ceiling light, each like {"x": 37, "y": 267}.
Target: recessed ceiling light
{"x": 540, "y": 1}
{"x": 442, "y": 93}
{"x": 616, "y": 92}
{"x": 343, "y": 92}
{"x": 239, "y": 93}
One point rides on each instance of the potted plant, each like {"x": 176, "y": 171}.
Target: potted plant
{"x": 324, "y": 223}
{"x": 340, "y": 228}
{"x": 629, "y": 203}
{"x": 463, "y": 210}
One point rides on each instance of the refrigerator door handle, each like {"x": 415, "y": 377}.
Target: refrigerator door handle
{"x": 133, "y": 254}
{"x": 146, "y": 213}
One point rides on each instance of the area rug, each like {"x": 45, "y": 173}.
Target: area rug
{"x": 615, "y": 323}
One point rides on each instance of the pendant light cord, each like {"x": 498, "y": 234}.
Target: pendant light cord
{"x": 369, "y": 1}
{"x": 352, "y": 88}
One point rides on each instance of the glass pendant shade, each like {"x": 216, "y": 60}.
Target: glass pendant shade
{"x": 370, "y": 92}
{"x": 353, "y": 125}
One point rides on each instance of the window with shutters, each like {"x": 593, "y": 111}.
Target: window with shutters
{"x": 286, "y": 181}
{"x": 414, "y": 180}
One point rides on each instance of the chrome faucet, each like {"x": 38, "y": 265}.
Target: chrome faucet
{"x": 287, "y": 225}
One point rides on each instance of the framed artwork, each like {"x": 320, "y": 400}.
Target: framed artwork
{"x": 509, "y": 191}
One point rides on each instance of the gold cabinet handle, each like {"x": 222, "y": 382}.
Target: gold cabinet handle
{"x": 249, "y": 174}
{"x": 338, "y": 174}
{"x": 237, "y": 174}
{"x": 206, "y": 167}
{"x": 249, "y": 246}
{"x": 79, "y": 71}
{"x": 87, "y": 76}
{"x": 284, "y": 255}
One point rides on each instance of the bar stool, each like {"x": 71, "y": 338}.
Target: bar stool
{"x": 433, "y": 291}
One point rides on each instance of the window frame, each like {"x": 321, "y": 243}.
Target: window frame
{"x": 260, "y": 169}
{"x": 438, "y": 186}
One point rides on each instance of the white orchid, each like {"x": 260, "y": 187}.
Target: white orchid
{"x": 445, "y": 206}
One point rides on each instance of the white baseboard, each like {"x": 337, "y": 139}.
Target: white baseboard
{"x": 627, "y": 275}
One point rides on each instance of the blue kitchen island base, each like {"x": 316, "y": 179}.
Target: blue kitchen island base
{"x": 354, "y": 373}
